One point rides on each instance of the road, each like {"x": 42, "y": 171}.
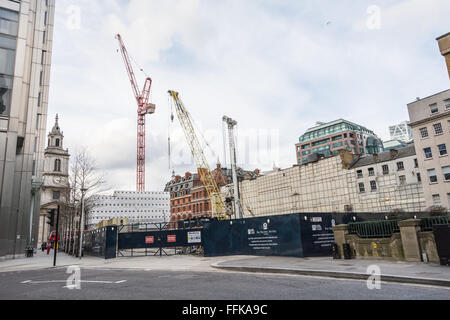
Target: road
{"x": 120, "y": 284}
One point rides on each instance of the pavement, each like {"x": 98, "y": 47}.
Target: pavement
{"x": 398, "y": 272}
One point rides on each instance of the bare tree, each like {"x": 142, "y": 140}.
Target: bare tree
{"x": 85, "y": 178}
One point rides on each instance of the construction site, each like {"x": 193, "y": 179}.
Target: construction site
{"x": 224, "y": 211}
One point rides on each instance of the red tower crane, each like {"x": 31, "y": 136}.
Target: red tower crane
{"x": 144, "y": 108}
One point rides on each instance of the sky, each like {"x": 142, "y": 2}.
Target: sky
{"x": 276, "y": 67}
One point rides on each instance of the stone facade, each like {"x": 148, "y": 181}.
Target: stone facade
{"x": 444, "y": 47}
{"x": 332, "y": 185}
{"x": 26, "y": 49}
{"x": 56, "y": 187}
{"x": 410, "y": 244}
{"x": 430, "y": 122}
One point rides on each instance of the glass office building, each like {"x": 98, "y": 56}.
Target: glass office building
{"x": 328, "y": 138}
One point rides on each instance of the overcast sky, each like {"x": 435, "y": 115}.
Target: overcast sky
{"x": 275, "y": 66}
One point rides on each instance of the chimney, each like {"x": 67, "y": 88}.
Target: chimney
{"x": 375, "y": 157}
{"x": 394, "y": 153}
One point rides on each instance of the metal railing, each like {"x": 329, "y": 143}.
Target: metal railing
{"x": 426, "y": 224}
{"x": 374, "y": 229}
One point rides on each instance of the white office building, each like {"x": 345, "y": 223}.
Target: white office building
{"x": 137, "y": 207}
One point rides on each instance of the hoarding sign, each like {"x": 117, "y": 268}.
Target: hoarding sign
{"x": 149, "y": 240}
{"x": 171, "y": 238}
{"x": 194, "y": 237}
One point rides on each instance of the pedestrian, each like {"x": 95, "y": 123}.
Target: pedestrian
{"x": 48, "y": 248}
{"x": 43, "y": 246}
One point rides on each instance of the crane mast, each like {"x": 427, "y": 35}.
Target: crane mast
{"x": 237, "y": 204}
{"x": 144, "y": 108}
{"x": 217, "y": 204}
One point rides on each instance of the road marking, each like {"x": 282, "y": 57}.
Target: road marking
{"x": 64, "y": 281}
{"x": 121, "y": 281}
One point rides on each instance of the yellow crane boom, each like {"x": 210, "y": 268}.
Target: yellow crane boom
{"x": 217, "y": 204}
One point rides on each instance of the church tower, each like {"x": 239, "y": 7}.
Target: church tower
{"x": 55, "y": 176}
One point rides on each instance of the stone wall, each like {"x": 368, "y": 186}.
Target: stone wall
{"x": 408, "y": 245}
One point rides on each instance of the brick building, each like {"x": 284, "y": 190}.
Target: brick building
{"x": 188, "y": 196}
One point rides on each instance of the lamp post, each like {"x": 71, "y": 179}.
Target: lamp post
{"x": 83, "y": 191}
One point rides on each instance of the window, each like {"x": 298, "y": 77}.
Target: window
{"x": 436, "y": 200}
{"x": 442, "y": 149}
{"x": 416, "y": 163}
{"x": 57, "y": 165}
{"x": 56, "y": 195}
{"x": 402, "y": 180}
{"x": 432, "y": 175}
{"x": 434, "y": 108}
{"x": 400, "y": 166}
{"x": 385, "y": 169}
{"x": 362, "y": 188}
{"x": 423, "y": 133}
{"x": 438, "y": 129}
{"x": 371, "y": 172}
{"x": 373, "y": 185}
{"x": 360, "y": 174}
{"x": 446, "y": 172}
{"x": 419, "y": 177}
{"x": 447, "y": 104}
{"x": 428, "y": 153}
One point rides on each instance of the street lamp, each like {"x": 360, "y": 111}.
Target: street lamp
{"x": 83, "y": 191}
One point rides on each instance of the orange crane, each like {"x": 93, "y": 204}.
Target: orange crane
{"x": 144, "y": 108}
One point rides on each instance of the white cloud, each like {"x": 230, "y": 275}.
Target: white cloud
{"x": 267, "y": 64}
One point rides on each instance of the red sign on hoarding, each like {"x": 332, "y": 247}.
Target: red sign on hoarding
{"x": 149, "y": 240}
{"x": 172, "y": 238}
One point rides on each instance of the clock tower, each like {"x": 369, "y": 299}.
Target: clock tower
{"x": 56, "y": 178}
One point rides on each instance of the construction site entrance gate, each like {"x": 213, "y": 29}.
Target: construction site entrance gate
{"x": 156, "y": 239}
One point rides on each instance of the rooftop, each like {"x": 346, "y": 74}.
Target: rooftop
{"x": 384, "y": 156}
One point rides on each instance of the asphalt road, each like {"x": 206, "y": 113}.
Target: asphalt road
{"x": 119, "y": 284}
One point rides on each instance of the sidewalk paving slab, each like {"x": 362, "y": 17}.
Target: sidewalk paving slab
{"x": 391, "y": 271}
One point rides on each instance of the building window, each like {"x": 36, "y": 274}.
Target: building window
{"x": 56, "y": 195}
{"x": 438, "y": 129}
{"x": 432, "y": 175}
{"x": 362, "y": 188}
{"x": 385, "y": 169}
{"x": 359, "y": 174}
{"x": 428, "y": 153}
{"x": 373, "y": 185}
{"x": 400, "y": 166}
{"x": 402, "y": 180}
{"x": 424, "y": 133}
{"x": 419, "y": 177}
{"x": 434, "y": 108}
{"x": 446, "y": 172}
{"x": 371, "y": 172}
{"x": 447, "y": 104}
{"x": 442, "y": 149}
{"x": 416, "y": 163}
{"x": 436, "y": 200}
{"x": 58, "y": 165}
